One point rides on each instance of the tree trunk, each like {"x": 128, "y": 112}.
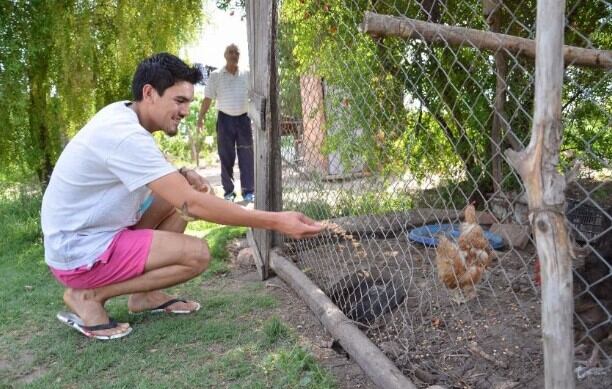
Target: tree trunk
{"x": 41, "y": 142}
{"x": 194, "y": 148}
{"x": 493, "y": 17}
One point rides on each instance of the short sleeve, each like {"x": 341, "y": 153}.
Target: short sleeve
{"x": 137, "y": 161}
{"x": 210, "y": 91}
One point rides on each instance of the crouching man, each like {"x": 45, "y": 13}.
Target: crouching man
{"x": 110, "y": 212}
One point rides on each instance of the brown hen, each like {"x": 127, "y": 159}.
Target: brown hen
{"x": 461, "y": 265}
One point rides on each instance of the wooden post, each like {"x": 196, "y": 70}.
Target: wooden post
{"x": 373, "y": 362}
{"x": 261, "y": 27}
{"x": 385, "y": 25}
{"x": 537, "y": 164}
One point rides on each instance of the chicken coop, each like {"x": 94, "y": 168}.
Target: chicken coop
{"x": 459, "y": 154}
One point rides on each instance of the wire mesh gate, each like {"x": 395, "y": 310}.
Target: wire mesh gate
{"x": 393, "y": 119}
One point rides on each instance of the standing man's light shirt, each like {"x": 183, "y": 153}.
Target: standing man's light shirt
{"x": 230, "y": 91}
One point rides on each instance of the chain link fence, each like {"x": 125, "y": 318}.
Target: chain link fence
{"x": 391, "y": 131}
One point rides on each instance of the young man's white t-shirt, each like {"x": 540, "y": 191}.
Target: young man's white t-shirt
{"x": 98, "y": 186}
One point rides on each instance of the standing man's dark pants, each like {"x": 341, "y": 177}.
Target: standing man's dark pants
{"x": 234, "y": 133}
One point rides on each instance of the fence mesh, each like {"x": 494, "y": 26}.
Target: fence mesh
{"x": 390, "y": 140}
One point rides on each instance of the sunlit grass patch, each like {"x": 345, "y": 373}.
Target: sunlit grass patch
{"x": 219, "y": 346}
{"x": 275, "y": 330}
{"x": 217, "y": 237}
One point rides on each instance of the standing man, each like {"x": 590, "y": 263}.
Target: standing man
{"x": 110, "y": 214}
{"x": 229, "y": 86}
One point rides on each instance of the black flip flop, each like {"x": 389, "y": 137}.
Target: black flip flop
{"x": 74, "y": 321}
{"x": 164, "y": 307}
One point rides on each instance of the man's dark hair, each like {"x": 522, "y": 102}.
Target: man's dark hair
{"x": 162, "y": 71}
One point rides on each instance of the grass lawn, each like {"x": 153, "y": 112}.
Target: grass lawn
{"x": 230, "y": 342}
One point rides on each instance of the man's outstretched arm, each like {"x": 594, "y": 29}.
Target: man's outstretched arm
{"x": 177, "y": 191}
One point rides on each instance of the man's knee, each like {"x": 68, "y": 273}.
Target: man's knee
{"x": 200, "y": 258}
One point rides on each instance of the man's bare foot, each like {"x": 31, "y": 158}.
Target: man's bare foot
{"x": 83, "y": 303}
{"x": 140, "y": 302}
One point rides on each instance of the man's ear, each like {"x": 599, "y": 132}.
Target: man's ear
{"x": 149, "y": 93}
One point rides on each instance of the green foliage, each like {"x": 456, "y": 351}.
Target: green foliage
{"x": 351, "y": 204}
{"x": 426, "y": 108}
{"x": 61, "y": 61}
{"x": 230, "y": 5}
{"x": 20, "y": 216}
{"x": 321, "y": 40}
{"x": 584, "y": 138}
{"x": 314, "y": 209}
{"x": 372, "y": 203}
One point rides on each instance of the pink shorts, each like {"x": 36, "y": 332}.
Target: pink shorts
{"x": 124, "y": 259}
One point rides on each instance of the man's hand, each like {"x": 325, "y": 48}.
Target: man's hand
{"x": 297, "y": 225}
{"x": 202, "y": 115}
{"x": 198, "y": 182}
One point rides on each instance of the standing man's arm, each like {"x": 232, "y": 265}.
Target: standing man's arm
{"x": 203, "y": 110}
{"x": 210, "y": 93}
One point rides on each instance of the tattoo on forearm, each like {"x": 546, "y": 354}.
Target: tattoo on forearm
{"x": 183, "y": 171}
{"x": 184, "y": 212}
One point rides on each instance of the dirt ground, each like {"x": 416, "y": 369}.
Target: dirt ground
{"x": 293, "y": 311}
{"x": 492, "y": 341}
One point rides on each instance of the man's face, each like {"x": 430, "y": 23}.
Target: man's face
{"x": 232, "y": 55}
{"x": 168, "y": 110}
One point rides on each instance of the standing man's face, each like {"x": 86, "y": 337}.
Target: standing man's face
{"x": 232, "y": 55}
